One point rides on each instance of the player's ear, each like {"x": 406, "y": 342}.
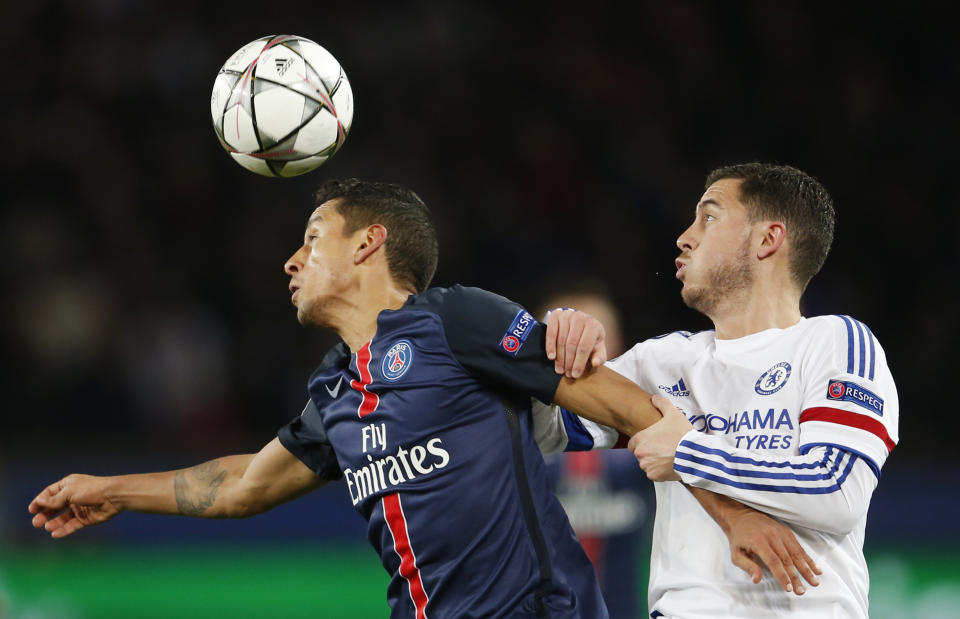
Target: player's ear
{"x": 372, "y": 238}
{"x": 774, "y": 233}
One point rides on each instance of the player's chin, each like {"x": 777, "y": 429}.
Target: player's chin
{"x": 693, "y": 297}
{"x": 303, "y": 317}
{"x": 309, "y": 318}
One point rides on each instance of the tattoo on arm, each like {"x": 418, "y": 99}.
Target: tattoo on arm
{"x": 193, "y": 501}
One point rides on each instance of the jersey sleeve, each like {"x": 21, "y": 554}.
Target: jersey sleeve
{"x": 850, "y": 399}
{"x": 306, "y": 439}
{"x": 826, "y": 488}
{"x": 497, "y": 341}
{"x": 557, "y": 430}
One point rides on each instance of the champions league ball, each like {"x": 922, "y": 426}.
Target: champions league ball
{"x": 281, "y": 105}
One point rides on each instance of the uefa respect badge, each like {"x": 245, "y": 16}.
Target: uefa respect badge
{"x": 512, "y": 341}
{"x": 848, "y": 391}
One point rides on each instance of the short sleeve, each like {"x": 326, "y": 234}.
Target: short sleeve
{"x": 850, "y": 399}
{"x": 496, "y": 340}
{"x": 305, "y": 438}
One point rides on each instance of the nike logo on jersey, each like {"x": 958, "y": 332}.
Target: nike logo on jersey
{"x": 336, "y": 390}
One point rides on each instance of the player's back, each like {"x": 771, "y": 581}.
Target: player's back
{"x": 431, "y": 427}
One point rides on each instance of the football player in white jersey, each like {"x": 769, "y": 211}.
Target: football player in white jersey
{"x": 790, "y": 415}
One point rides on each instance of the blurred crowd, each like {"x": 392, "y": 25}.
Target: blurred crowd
{"x": 145, "y": 302}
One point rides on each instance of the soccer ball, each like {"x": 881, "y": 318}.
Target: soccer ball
{"x": 281, "y": 105}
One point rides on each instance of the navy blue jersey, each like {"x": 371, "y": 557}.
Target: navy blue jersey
{"x": 429, "y": 426}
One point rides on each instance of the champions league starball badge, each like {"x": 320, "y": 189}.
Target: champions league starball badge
{"x": 397, "y": 360}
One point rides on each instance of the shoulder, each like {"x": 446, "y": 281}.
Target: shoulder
{"x": 850, "y": 342}
{"x": 683, "y": 339}
{"x": 840, "y": 324}
{"x": 673, "y": 334}
{"x": 492, "y": 338}
{"x": 456, "y": 296}
{"x": 683, "y": 335}
{"x": 678, "y": 345}
{"x": 335, "y": 354}
{"x": 334, "y": 360}
{"x": 845, "y": 331}
{"x": 458, "y": 304}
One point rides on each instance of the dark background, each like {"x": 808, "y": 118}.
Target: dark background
{"x": 142, "y": 269}
{"x": 145, "y": 316}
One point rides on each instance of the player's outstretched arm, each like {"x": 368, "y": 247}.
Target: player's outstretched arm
{"x": 610, "y": 399}
{"x": 229, "y": 487}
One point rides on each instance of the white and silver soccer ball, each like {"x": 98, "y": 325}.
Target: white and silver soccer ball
{"x": 281, "y": 105}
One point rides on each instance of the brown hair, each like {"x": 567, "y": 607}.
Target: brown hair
{"x": 411, "y": 246}
{"x": 797, "y": 199}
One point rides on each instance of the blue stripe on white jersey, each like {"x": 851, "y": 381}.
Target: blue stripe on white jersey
{"x": 818, "y": 475}
{"x": 862, "y": 457}
{"x": 578, "y": 437}
{"x": 849, "y": 343}
{"x": 744, "y": 460}
{"x": 861, "y": 348}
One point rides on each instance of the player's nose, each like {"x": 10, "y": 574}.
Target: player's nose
{"x": 686, "y": 241}
{"x": 293, "y": 265}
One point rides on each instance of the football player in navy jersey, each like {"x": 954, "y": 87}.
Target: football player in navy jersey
{"x": 423, "y": 411}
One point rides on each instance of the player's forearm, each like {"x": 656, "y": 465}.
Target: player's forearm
{"x": 826, "y": 489}
{"x": 208, "y": 490}
{"x": 610, "y": 399}
{"x": 831, "y": 512}
{"x": 721, "y": 508}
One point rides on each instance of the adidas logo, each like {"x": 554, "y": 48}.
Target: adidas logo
{"x": 680, "y": 390}
{"x": 283, "y": 64}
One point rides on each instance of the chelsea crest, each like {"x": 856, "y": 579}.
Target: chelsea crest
{"x": 773, "y": 379}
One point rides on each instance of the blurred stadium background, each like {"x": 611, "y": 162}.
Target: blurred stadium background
{"x": 146, "y": 323}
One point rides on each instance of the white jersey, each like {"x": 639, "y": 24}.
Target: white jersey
{"x": 795, "y": 422}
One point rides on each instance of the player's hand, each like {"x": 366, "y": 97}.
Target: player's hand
{"x": 74, "y": 502}
{"x": 574, "y": 338}
{"x": 757, "y": 541}
{"x": 656, "y": 446}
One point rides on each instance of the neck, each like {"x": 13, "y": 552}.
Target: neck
{"x": 355, "y": 320}
{"x": 760, "y": 308}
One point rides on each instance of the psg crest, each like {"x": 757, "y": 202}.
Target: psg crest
{"x": 773, "y": 379}
{"x": 397, "y": 360}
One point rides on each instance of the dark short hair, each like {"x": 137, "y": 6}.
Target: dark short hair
{"x": 411, "y": 247}
{"x": 794, "y": 197}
